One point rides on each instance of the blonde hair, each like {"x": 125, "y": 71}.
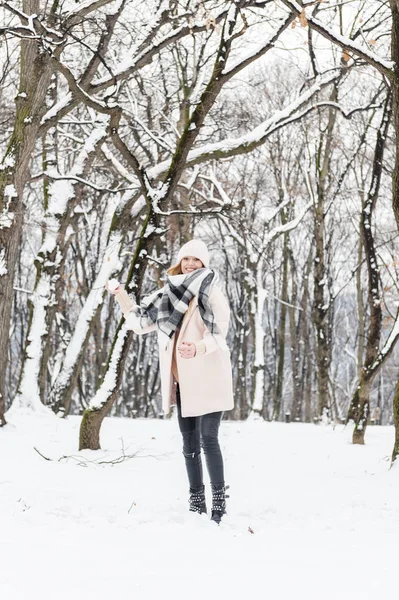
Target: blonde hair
{"x": 175, "y": 270}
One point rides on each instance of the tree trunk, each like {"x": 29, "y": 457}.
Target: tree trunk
{"x": 395, "y": 451}
{"x": 319, "y": 316}
{"x": 50, "y": 263}
{"x": 2, "y": 411}
{"x": 259, "y": 297}
{"x": 297, "y": 389}
{"x": 61, "y": 392}
{"x": 307, "y": 363}
{"x": 106, "y": 394}
{"x": 118, "y": 216}
{"x": 359, "y": 409}
{"x": 242, "y": 342}
{"x": 361, "y": 402}
{"x": 360, "y": 310}
{"x": 35, "y": 77}
{"x": 89, "y": 435}
{"x": 395, "y": 176}
{"x": 280, "y": 334}
{"x": 321, "y": 303}
{"x": 395, "y": 104}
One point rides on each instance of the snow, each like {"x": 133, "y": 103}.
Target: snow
{"x": 110, "y": 262}
{"x": 8, "y": 162}
{"x": 128, "y": 65}
{"x": 321, "y": 510}
{"x": 113, "y": 284}
{"x": 345, "y": 42}
{"x": 10, "y": 191}
{"x": 390, "y": 342}
{"x": 60, "y": 105}
{"x": 110, "y": 379}
{"x": 6, "y": 217}
{"x": 3, "y": 263}
{"x": 109, "y": 154}
{"x": 28, "y": 393}
{"x": 229, "y": 146}
{"x": 359, "y": 49}
{"x": 83, "y": 6}
{"x": 249, "y": 56}
{"x": 136, "y": 59}
{"x": 62, "y": 191}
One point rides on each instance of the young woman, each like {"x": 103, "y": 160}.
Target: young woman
{"x": 191, "y": 317}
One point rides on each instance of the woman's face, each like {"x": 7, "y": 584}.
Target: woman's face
{"x": 190, "y": 264}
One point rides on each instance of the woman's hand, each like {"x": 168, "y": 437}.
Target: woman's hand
{"x": 187, "y": 350}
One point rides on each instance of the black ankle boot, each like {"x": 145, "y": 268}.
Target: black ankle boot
{"x": 197, "y": 500}
{"x": 218, "y": 502}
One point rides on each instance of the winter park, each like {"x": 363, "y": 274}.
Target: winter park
{"x": 199, "y": 299}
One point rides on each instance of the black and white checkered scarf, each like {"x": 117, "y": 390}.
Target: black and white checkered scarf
{"x": 167, "y": 306}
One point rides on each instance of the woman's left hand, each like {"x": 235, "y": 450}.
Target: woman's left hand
{"x": 187, "y": 350}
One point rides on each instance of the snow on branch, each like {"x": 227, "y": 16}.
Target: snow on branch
{"x": 75, "y": 88}
{"x": 348, "y": 114}
{"x": 32, "y": 27}
{"x": 118, "y": 166}
{"x": 280, "y": 229}
{"x": 226, "y": 200}
{"x": 140, "y": 58}
{"x": 110, "y": 263}
{"x": 84, "y": 8}
{"x": 64, "y": 103}
{"x": 260, "y": 51}
{"x": 145, "y": 53}
{"x": 258, "y": 249}
{"x": 384, "y": 66}
{"x": 388, "y": 346}
{"x": 249, "y": 141}
{"x": 61, "y": 193}
{"x": 109, "y": 383}
{"x": 233, "y": 232}
{"x": 54, "y": 177}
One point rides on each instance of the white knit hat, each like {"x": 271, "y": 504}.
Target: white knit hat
{"x": 195, "y": 248}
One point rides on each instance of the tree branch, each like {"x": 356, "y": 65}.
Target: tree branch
{"x": 248, "y": 142}
{"x": 385, "y": 67}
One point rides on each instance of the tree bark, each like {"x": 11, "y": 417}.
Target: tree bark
{"x": 360, "y": 309}
{"x": 359, "y": 409}
{"x": 89, "y": 434}
{"x": 35, "y": 77}
{"x": 280, "y": 334}
{"x": 395, "y": 176}
{"x": 106, "y": 394}
{"x": 321, "y": 302}
{"x": 395, "y": 104}
{"x": 297, "y": 388}
{"x": 50, "y": 263}
{"x": 305, "y": 336}
{"x": 395, "y": 451}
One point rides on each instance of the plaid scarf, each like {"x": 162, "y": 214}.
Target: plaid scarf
{"x": 167, "y": 306}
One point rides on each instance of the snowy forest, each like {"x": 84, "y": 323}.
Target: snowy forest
{"x": 268, "y": 129}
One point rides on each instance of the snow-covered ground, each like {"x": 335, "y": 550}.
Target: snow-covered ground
{"x": 310, "y": 515}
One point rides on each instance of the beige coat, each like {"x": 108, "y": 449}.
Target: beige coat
{"x": 206, "y": 380}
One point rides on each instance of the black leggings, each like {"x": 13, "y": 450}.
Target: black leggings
{"x": 201, "y": 431}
